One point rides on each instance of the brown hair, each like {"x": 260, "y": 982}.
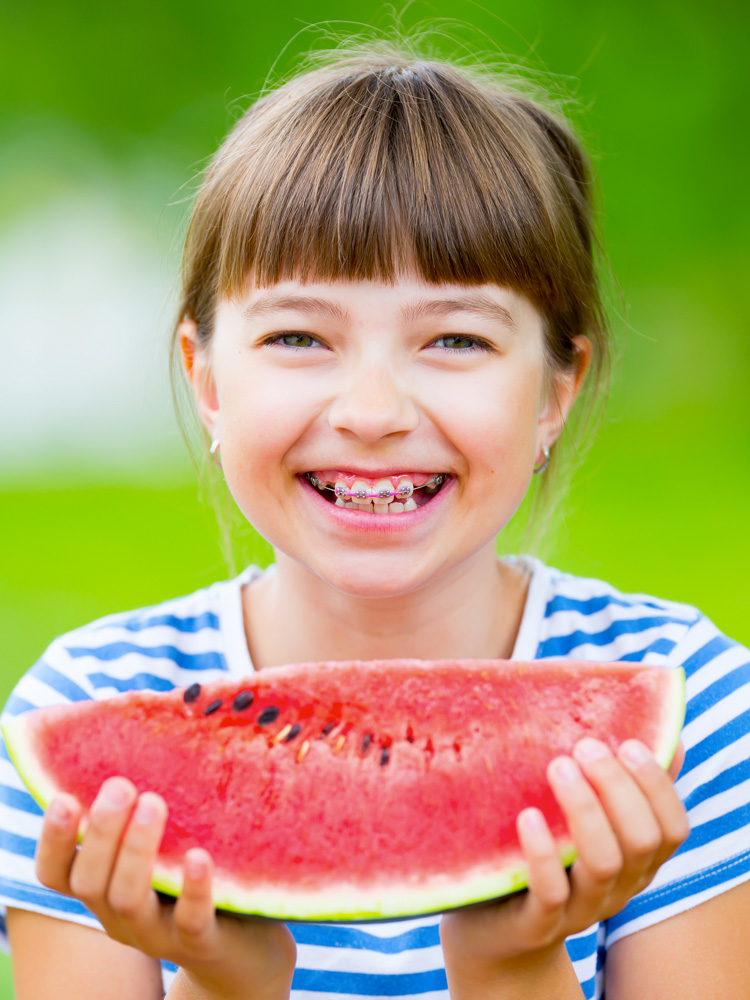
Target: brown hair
{"x": 382, "y": 162}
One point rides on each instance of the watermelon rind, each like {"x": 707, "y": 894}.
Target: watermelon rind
{"x": 20, "y": 750}
{"x": 345, "y": 902}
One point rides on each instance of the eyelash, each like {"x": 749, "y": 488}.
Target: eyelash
{"x": 476, "y": 342}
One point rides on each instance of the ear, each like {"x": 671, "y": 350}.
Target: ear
{"x": 197, "y": 365}
{"x": 562, "y": 393}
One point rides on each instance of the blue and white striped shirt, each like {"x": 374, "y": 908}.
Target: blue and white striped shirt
{"x": 201, "y": 638}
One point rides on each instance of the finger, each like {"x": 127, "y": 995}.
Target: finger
{"x": 194, "y": 912}
{"x": 664, "y": 801}
{"x": 677, "y": 761}
{"x": 108, "y": 817}
{"x": 628, "y": 810}
{"x": 129, "y": 894}
{"x": 549, "y": 888}
{"x": 600, "y": 858}
{"x": 57, "y": 844}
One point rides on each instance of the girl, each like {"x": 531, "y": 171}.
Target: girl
{"x": 389, "y": 282}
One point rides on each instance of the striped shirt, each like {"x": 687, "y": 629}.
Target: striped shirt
{"x": 201, "y": 638}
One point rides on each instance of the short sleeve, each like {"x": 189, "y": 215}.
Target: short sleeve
{"x": 714, "y": 783}
{"x": 51, "y": 681}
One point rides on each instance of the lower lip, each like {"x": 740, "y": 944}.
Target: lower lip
{"x": 358, "y": 520}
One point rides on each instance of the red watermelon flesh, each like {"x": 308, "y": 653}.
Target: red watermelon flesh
{"x": 352, "y": 790}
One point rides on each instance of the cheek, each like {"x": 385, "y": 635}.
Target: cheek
{"x": 493, "y": 423}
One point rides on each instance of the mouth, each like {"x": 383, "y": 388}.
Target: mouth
{"x": 385, "y": 495}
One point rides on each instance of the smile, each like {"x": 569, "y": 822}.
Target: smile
{"x": 395, "y": 494}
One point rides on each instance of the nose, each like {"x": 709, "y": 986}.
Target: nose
{"x": 372, "y": 404}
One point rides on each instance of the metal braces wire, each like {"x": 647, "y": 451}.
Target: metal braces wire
{"x": 403, "y": 492}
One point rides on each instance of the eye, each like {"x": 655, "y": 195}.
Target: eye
{"x": 293, "y": 339}
{"x": 458, "y": 343}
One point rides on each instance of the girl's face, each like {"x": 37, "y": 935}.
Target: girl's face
{"x": 360, "y": 382}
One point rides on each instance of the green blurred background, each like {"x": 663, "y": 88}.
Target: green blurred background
{"x": 108, "y": 113}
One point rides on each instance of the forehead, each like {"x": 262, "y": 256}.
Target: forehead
{"x": 408, "y": 301}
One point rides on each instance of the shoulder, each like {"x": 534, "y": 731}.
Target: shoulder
{"x": 157, "y": 647}
{"x": 591, "y": 619}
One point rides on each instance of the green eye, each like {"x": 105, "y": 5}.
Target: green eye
{"x": 296, "y": 340}
{"x": 456, "y": 342}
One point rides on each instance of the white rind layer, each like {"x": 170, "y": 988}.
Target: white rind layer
{"x": 345, "y": 901}
{"x": 17, "y": 733}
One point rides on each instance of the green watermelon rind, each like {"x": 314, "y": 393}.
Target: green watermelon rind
{"x": 345, "y": 902}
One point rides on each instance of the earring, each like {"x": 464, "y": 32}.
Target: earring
{"x": 539, "y": 469}
{"x": 214, "y": 452}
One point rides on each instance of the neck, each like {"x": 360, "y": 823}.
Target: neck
{"x": 472, "y": 610}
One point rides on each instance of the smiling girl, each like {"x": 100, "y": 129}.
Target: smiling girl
{"x": 389, "y": 308}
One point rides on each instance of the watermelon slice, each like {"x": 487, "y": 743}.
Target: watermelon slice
{"x": 351, "y": 790}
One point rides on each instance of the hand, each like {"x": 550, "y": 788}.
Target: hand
{"x": 111, "y": 873}
{"x": 625, "y": 819}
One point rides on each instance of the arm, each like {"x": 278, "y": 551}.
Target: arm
{"x": 700, "y": 954}
{"x": 78, "y": 962}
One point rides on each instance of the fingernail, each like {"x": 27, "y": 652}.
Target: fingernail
{"x": 635, "y": 753}
{"x": 145, "y": 812}
{"x": 58, "y": 812}
{"x": 589, "y": 749}
{"x": 113, "y": 793}
{"x": 195, "y": 866}
{"x": 532, "y": 821}
{"x": 565, "y": 770}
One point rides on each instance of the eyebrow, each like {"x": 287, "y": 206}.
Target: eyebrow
{"x": 475, "y": 303}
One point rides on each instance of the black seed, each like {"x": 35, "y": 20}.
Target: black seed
{"x": 366, "y": 741}
{"x": 213, "y": 707}
{"x": 327, "y": 728}
{"x": 191, "y": 693}
{"x": 269, "y": 714}
{"x": 385, "y": 756}
{"x": 243, "y": 700}
{"x": 294, "y": 731}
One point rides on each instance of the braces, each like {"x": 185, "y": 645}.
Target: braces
{"x": 404, "y": 491}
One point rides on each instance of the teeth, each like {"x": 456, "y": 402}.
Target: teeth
{"x": 385, "y": 488}
{"x": 361, "y": 491}
{"x": 375, "y": 498}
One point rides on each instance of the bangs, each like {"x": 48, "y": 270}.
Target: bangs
{"x": 371, "y": 174}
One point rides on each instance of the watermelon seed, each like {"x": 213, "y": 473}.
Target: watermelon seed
{"x": 303, "y": 750}
{"x": 268, "y": 715}
{"x": 294, "y": 731}
{"x": 213, "y": 707}
{"x": 339, "y": 743}
{"x": 385, "y": 756}
{"x": 191, "y": 693}
{"x": 366, "y": 741}
{"x": 409, "y": 734}
{"x": 243, "y": 700}
{"x": 327, "y": 728}
{"x": 282, "y": 734}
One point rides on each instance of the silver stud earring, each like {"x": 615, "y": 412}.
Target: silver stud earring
{"x": 539, "y": 469}
{"x": 214, "y": 452}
